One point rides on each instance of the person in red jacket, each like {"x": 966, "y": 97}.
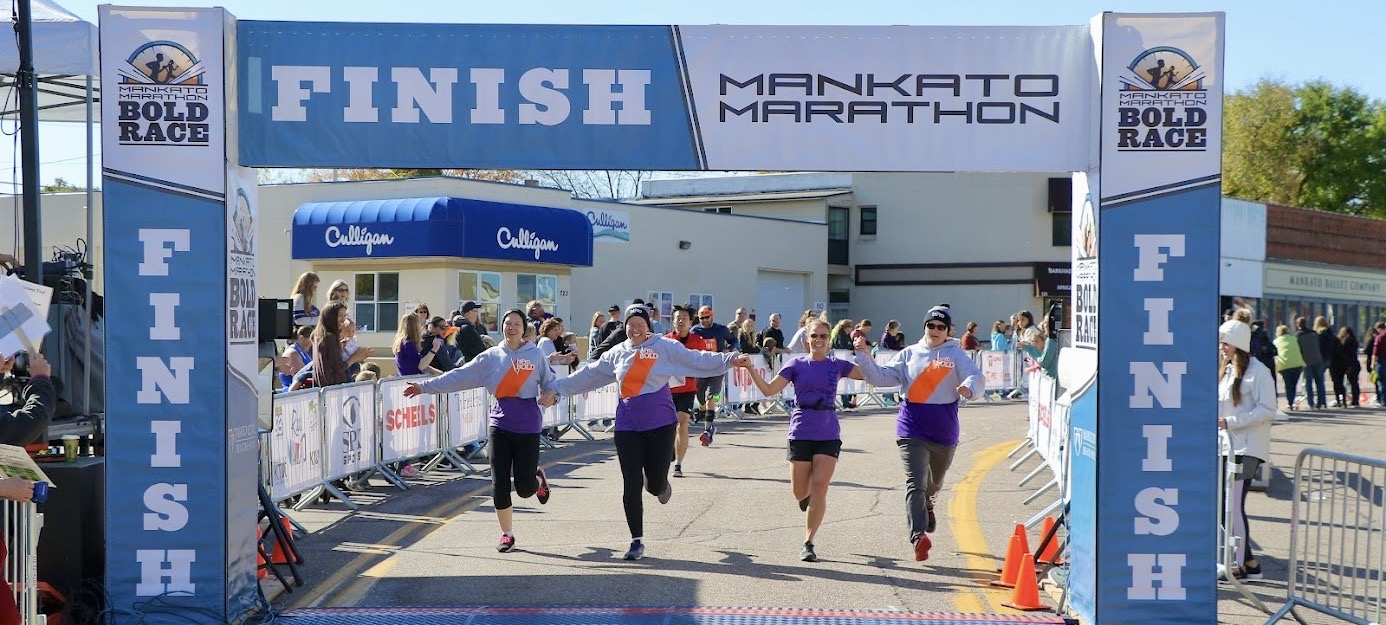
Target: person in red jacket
{"x": 685, "y": 393}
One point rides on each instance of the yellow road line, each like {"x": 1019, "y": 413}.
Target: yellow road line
{"x": 360, "y": 573}
{"x": 967, "y": 530}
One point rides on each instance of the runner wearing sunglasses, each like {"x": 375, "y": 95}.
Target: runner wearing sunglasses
{"x": 935, "y": 373}
{"x": 815, "y": 436}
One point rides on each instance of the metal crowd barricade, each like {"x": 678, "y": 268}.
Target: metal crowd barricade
{"x": 1227, "y": 543}
{"x": 466, "y": 423}
{"x": 349, "y": 440}
{"x": 293, "y": 458}
{"x": 1337, "y": 537}
{"x": 21, "y": 524}
{"x": 408, "y": 427}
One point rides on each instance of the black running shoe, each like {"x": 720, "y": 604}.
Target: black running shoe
{"x": 507, "y": 543}
{"x": 1253, "y": 570}
{"x": 637, "y": 551}
{"x": 678, "y": 470}
{"x": 804, "y": 503}
{"x": 543, "y": 492}
{"x": 931, "y": 523}
{"x": 806, "y": 554}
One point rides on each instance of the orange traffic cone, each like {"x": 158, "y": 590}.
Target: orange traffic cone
{"x": 278, "y": 556}
{"x": 1011, "y": 569}
{"x": 1024, "y": 543}
{"x": 1051, "y": 550}
{"x": 1026, "y": 595}
{"x": 260, "y": 571}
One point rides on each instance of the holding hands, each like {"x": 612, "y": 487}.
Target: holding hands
{"x": 741, "y": 360}
{"x": 861, "y": 345}
{"x": 548, "y": 398}
{"x": 964, "y": 392}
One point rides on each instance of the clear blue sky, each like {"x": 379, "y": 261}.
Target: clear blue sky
{"x": 1265, "y": 38}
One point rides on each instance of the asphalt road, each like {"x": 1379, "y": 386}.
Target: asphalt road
{"x": 731, "y": 534}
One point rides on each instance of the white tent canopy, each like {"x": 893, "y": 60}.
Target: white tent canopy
{"x": 65, "y": 54}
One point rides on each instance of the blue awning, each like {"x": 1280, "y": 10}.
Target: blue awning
{"x": 441, "y": 227}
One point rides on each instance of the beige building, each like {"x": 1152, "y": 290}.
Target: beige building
{"x": 770, "y": 263}
{"x": 988, "y": 244}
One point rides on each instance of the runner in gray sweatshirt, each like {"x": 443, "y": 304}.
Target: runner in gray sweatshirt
{"x": 935, "y": 373}
{"x": 641, "y": 367}
{"x": 513, "y": 372}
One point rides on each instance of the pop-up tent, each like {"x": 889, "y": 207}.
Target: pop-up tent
{"x": 65, "y": 55}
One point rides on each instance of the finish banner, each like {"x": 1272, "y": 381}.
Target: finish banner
{"x": 180, "y": 418}
{"x": 1159, "y": 190}
{"x": 819, "y": 98}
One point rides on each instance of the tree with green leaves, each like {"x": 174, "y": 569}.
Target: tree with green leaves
{"x": 1311, "y": 145}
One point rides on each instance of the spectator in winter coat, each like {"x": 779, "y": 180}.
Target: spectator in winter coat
{"x": 469, "y": 332}
{"x": 969, "y": 338}
{"x": 1314, "y": 364}
{"x": 1344, "y": 368}
{"x": 26, "y": 421}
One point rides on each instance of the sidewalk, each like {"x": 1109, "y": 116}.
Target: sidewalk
{"x": 731, "y": 534}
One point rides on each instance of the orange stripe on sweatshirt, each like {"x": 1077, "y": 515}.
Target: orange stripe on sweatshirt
{"x": 515, "y": 377}
{"x": 639, "y": 371}
{"x": 928, "y": 380}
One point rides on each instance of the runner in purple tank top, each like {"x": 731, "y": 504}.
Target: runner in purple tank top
{"x": 815, "y": 437}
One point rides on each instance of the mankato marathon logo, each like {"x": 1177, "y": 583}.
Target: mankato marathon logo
{"x": 162, "y": 63}
{"x": 1162, "y": 105}
{"x": 163, "y": 97}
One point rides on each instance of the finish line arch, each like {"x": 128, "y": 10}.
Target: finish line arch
{"x": 193, "y": 98}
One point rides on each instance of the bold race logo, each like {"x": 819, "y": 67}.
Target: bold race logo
{"x": 162, "y": 98}
{"x": 1162, "y": 105}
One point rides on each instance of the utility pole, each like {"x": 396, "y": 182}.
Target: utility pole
{"x": 28, "y": 140}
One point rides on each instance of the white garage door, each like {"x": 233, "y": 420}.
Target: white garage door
{"x": 779, "y": 292}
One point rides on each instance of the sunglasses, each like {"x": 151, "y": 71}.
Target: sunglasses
{"x": 936, "y": 326}
{"x": 818, "y": 336}
{"x": 341, "y": 289}
{"x": 704, "y": 316}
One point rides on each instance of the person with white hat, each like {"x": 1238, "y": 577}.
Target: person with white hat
{"x": 1246, "y": 410}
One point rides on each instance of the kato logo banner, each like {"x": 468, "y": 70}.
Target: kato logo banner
{"x": 821, "y": 98}
{"x": 295, "y": 444}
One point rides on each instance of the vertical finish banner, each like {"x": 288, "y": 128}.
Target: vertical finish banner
{"x": 179, "y": 455}
{"x": 1160, "y": 141}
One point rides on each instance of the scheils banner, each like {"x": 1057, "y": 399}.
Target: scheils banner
{"x": 820, "y": 98}
{"x": 1160, "y": 189}
{"x": 408, "y": 425}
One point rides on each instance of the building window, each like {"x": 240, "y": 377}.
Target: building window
{"x": 1062, "y": 229}
{"x": 377, "y": 302}
{"x": 837, "y": 235}
{"x": 663, "y": 301}
{"x": 698, "y": 300}
{"x": 531, "y": 287}
{"x": 868, "y": 221}
{"x": 482, "y": 287}
{"x": 725, "y": 210}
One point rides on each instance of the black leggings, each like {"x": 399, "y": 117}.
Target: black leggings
{"x": 513, "y": 454}
{"x": 644, "y": 458}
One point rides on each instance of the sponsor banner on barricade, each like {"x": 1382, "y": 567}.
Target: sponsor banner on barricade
{"x": 559, "y": 414}
{"x": 408, "y": 425}
{"x": 348, "y": 418}
{"x": 295, "y": 444}
{"x": 884, "y": 357}
{"x": 846, "y": 385}
{"x": 598, "y": 404}
{"x": 1041, "y": 398}
{"x": 999, "y": 368}
{"x": 1033, "y": 409}
{"x": 739, "y": 388}
{"x": 1058, "y": 440}
{"x": 467, "y": 416}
